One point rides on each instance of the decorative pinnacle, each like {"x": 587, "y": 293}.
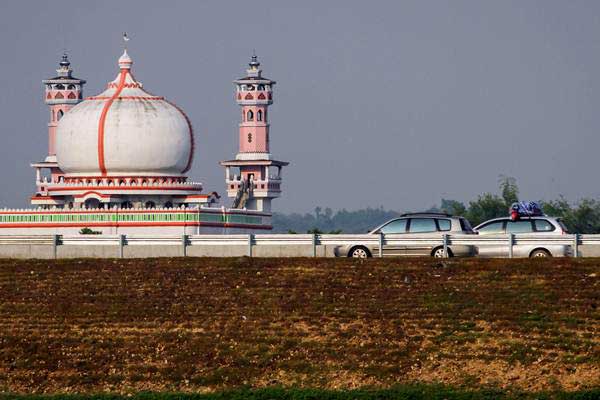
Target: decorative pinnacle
{"x": 65, "y": 60}
{"x": 254, "y": 64}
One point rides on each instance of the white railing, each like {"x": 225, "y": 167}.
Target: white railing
{"x": 292, "y": 243}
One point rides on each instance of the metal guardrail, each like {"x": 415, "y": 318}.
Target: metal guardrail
{"x": 251, "y": 241}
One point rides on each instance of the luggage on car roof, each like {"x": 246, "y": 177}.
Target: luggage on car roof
{"x": 525, "y": 209}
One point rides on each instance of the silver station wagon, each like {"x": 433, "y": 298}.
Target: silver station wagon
{"x": 416, "y": 225}
{"x": 542, "y": 225}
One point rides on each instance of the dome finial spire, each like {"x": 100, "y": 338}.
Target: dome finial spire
{"x": 125, "y": 40}
{"x": 125, "y": 61}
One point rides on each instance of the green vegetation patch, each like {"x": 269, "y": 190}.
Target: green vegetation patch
{"x": 412, "y": 392}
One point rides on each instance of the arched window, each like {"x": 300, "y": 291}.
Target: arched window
{"x": 59, "y": 115}
{"x": 92, "y": 203}
{"x": 126, "y": 205}
{"x": 259, "y": 115}
{"x": 71, "y": 87}
{"x": 60, "y": 86}
{"x": 53, "y": 116}
{"x": 250, "y": 115}
{"x": 168, "y": 204}
{"x": 150, "y": 204}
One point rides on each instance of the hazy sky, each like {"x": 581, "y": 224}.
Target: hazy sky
{"x": 395, "y": 103}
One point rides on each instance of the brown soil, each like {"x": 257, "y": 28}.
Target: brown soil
{"x": 206, "y": 324}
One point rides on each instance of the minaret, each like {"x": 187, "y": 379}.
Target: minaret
{"x": 62, "y": 93}
{"x": 259, "y": 176}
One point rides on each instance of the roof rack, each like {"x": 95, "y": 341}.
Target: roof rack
{"x": 438, "y": 214}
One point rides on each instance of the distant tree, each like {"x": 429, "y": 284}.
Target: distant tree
{"x": 585, "y": 217}
{"x": 509, "y": 190}
{"x": 582, "y": 218}
{"x": 453, "y": 207}
{"x": 557, "y": 208}
{"x": 487, "y": 206}
{"x": 318, "y": 212}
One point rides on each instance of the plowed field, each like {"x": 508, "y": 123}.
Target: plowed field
{"x": 210, "y": 324}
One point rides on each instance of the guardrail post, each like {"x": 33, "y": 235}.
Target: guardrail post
{"x": 55, "y": 242}
{"x": 121, "y": 245}
{"x": 576, "y": 245}
{"x": 250, "y": 240}
{"x": 445, "y": 242}
{"x": 314, "y": 244}
{"x": 511, "y": 243}
{"x": 381, "y": 241}
{"x": 184, "y": 243}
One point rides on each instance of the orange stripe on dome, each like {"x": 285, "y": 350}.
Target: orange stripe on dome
{"x": 101, "y": 161}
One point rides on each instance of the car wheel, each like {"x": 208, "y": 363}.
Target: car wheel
{"x": 359, "y": 252}
{"x": 439, "y": 252}
{"x": 540, "y": 253}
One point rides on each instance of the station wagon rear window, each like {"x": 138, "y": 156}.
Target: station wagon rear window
{"x": 444, "y": 224}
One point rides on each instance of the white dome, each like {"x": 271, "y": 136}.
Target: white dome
{"x": 124, "y": 131}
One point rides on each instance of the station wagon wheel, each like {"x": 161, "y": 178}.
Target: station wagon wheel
{"x": 438, "y": 252}
{"x": 540, "y": 253}
{"x": 359, "y": 252}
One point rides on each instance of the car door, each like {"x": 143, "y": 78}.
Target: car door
{"x": 420, "y": 227}
{"x": 394, "y": 227}
{"x": 491, "y": 228}
{"x": 516, "y": 227}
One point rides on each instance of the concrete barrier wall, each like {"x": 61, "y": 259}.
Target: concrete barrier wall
{"x": 144, "y": 251}
{"x": 589, "y": 250}
{"x": 49, "y": 251}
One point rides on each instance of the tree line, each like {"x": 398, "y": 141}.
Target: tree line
{"x": 580, "y": 217}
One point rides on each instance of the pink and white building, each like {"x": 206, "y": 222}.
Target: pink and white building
{"x": 117, "y": 162}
